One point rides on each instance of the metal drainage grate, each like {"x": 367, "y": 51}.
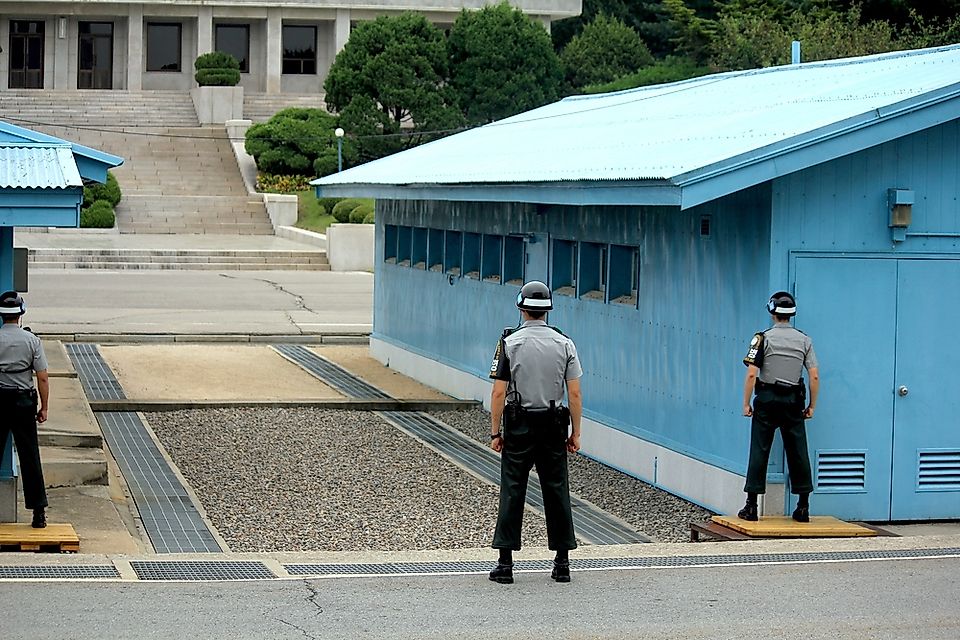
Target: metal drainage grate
{"x": 77, "y": 572}
{"x": 587, "y": 564}
{"x": 332, "y": 374}
{"x": 169, "y": 516}
{"x": 95, "y": 375}
{"x": 592, "y": 525}
{"x": 201, "y": 570}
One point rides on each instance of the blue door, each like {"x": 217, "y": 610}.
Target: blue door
{"x": 537, "y": 253}
{"x": 885, "y": 440}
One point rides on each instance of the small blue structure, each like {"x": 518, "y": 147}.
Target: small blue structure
{"x": 41, "y": 185}
{"x": 662, "y": 218}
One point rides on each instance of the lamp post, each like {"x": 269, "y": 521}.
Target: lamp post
{"x": 339, "y": 133}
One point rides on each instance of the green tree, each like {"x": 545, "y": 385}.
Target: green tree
{"x": 297, "y": 141}
{"x": 389, "y": 85}
{"x": 501, "y": 63}
{"x": 607, "y": 49}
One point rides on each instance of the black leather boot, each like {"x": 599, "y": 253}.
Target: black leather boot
{"x": 503, "y": 574}
{"x": 39, "y": 518}
{"x": 801, "y": 514}
{"x": 749, "y": 512}
{"x": 561, "y": 571}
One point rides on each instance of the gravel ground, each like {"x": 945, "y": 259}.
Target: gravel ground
{"x": 312, "y": 479}
{"x": 661, "y": 515}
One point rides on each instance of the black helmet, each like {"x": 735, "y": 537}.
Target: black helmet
{"x": 782, "y": 304}
{"x": 534, "y": 296}
{"x": 11, "y": 304}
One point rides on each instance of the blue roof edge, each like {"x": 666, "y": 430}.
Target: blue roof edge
{"x": 108, "y": 159}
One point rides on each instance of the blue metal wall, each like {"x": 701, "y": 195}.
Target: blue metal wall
{"x": 668, "y": 370}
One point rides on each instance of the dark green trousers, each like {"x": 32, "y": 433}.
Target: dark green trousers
{"x": 536, "y": 441}
{"x": 19, "y": 410}
{"x": 773, "y": 410}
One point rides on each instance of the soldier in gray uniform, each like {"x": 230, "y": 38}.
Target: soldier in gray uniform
{"x": 775, "y": 363}
{"x": 21, "y": 354}
{"x": 532, "y": 365}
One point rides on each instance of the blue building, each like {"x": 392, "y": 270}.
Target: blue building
{"x": 41, "y": 185}
{"x": 663, "y": 218}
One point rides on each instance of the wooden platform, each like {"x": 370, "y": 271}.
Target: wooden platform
{"x": 787, "y": 527}
{"x": 56, "y": 538}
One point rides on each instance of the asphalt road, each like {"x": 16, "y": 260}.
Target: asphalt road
{"x": 876, "y": 600}
{"x": 198, "y": 302}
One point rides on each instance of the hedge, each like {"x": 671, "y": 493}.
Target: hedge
{"x": 217, "y": 69}
{"x": 360, "y": 213}
{"x": 109, "y": 192}
{"x": 342, "y": 210}
{"x": 98, "y": 215}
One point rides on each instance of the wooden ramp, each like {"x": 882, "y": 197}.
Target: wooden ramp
{"x": 787, "y": 527}
{"x": 57, "y": 538}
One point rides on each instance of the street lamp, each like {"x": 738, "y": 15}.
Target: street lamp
{"x": 339, "y": 133}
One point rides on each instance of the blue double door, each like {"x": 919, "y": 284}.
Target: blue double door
{"x": 885, "y": 440}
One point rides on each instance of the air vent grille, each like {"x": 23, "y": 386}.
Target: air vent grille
{"x": 841, "y": 471}
{"x": 938, "y": 470}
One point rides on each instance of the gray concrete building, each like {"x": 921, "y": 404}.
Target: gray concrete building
{"x": 284, "y": 46}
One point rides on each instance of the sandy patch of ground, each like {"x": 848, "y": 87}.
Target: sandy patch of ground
{"x": 210, "y": 372}
{"x": 357, "y": 360}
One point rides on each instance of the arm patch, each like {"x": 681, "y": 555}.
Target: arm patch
{"x": 500, "y": 367}
{"x": 755, "y": 351}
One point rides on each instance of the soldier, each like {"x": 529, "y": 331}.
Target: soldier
{"x": 21, "y": 354}
{"x": 775, "y": 363}
{"x": 533, "y": 363}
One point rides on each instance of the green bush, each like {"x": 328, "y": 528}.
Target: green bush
{"x": 296, "y": 141}
{"x": 109, "y": 192}
{"x": 217, "y": 69}
{"x": 369, "y": 218}
{"x": 98, "y": 215}
{"x": 329, "y": 203}
{"x": 341, "y": 212}
{"x": 271, "y": 183}
{"x": 359, "y": 214}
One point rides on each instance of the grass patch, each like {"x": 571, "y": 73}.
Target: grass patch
{"x": 311, "y": 215}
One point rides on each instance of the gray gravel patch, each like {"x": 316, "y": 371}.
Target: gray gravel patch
{"x": 660, "y": 515}
{"x": 322, "y": 480}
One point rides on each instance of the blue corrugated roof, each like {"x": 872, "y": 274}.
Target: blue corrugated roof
{"x": 660, "y": 140}
{"x": 39, "y": 166}
{"x": 13, "y": 133}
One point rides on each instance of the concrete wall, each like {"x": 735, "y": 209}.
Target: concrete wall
{"x": 350, "y": 247}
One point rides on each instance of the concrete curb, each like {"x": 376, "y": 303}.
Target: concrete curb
{"x": 344, "y": 337}
{"x": 345, "y": 404}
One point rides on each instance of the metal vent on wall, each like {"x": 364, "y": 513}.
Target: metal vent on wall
{"x": 840, "y": 471}
{"x": 938, "y": 470}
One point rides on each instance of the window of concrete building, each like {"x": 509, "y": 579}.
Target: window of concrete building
{"x": 419, "y": 257}
{"x": 513, "y": 259}
{"x": 491, "y": 258}
{"x": 435, "y": 250}
{"x": 471, "y": 255}
{"x": 452, "y": 252}
{"x": 624, "y": 274}
{"x": 235, "y": 40}
{"x": 564, "y": 276}
{"x": 403, "y": 245}
{"x": 390, "y": 243}
{"x": 299, "y": 50}
{"x": 163, "y": 46}
{"x": 593, "y": 271}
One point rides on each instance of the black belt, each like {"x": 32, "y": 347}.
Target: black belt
{"x": 12, "y": 391}
{"x": 783, "y": 387}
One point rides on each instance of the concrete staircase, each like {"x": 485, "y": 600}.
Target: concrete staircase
{"x": 260, "y": 106}
{"x": 177, "y": 177}
{"x": 233, "y": 260}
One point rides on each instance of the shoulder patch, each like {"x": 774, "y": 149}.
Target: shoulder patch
{"x": 755, "y": 351}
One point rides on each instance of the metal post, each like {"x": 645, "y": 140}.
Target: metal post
{"x": 795, "y": 52}
{"x": 339, "y": 133}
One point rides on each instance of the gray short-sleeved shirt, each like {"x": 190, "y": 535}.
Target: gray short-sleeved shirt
{"x": 536, "y": 360}
{"x": 781, "y": 353}
{"x": 20, "y": 355}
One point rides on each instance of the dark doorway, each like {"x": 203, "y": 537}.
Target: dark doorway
{"x": 95, "y": 70}
{"x": 26, "y": 54}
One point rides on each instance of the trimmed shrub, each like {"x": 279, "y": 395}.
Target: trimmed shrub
{"x": 369, "y": 218}
{"x": 295, "y": 141}
{"x": 110, "y": 191}
{"x": 98, "y": 215}
{"x": 329, "y": 203}
{"x": 217, "y": 69}
{"x": 341, "y": 212}
{"x": 359, "y": 214}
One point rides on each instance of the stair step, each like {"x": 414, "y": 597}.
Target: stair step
{"x": 73, "y": 467}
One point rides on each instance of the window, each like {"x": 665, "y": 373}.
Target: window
{"x": 299, "y": 50}
{"x": 163, "y": 46}
{"x": 564, "y": 277}
{"x": 235, "y": 40}
{"x": 390, "y": 243}
{"x": 452, "y": 252}
{"x": 471, "y": 255}
{"x": 492, "y": 258}
{"x": 419, "y": 257}
{"x": 593, "y": 271}
{"x": 624, "y": 274}
{"x": 403, "y": 246}
{"x": 435, "y": 250}
{"x": 513, "y": 259}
